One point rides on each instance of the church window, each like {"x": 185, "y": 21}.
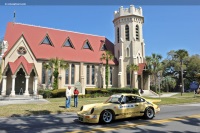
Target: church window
{"x": 110, "y": 75}
{"x": 127, "y": 52}
{"x": 137, "y": 33}
{"x": 128, "y": 81}
{"x": 93, "y": 73}
{"x": 43, "y": 74}
{"x": 72, "y": 73}
{"x": 47, "y": 41}
{"x": 87, "y": 45}
{"x": 103, "y": 48}
{"x": 88, "y": 74}
{"x": 67, "y": 76}
{"x": 118, "y": 35}
{"x": 68, "y": 43}
{"x": 49, "y": 76}
{"x": 127, "y": 32}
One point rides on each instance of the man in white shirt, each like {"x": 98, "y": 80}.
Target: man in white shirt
{"x": 68, "y": 96}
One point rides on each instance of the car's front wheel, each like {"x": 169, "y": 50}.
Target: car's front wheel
{"x": 106, "y": 116}
{"x": 149, "y": 113}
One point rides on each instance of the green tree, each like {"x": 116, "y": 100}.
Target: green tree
{"x": 107, "y": 56}
{"x": 193, "y": 67}
{"x": 56, "y": 64}
{"x": 181, "y": 54}
{"x": 154, "y": 66}
{"x": 132, "y": 68}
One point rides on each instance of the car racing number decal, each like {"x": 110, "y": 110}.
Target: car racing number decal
{"x": 126, "y": 106}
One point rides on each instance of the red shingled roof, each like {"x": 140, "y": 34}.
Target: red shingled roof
{"x": 34, "y": 35}
{"x": 141, "y": 68}
{"x": 21, "y": 61}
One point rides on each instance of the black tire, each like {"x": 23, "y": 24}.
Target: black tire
{"x": 149, "y": 113}
{"x": 106, "y": 117}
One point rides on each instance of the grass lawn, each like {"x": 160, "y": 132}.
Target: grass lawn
{"x": 57, "y": 105}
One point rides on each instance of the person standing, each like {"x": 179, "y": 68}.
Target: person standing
{"x": 68, "y": 96}
{"x": 76, "y": 92}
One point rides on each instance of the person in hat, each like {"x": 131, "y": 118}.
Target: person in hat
{"x": 68, "y": 96}
{"x": 76, "y": 92}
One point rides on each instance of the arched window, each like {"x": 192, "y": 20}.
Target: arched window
{"x": 137, "y": 33}
{"x": 72, "y": 73}
{"x": 93, "y": 73}
{"x": 49, "y": 76}
{"x": 127, "y": 52}
{"x": 43, "y": 74}
{"x": 110, "y": 75}
{"x": 67, "y": 76}
{"x": 88, "y": 74}
{"x": 127, "y": 32}
{"x": 118, "y": 35}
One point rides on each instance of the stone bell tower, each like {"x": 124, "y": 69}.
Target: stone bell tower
{"x": 129, "y": 42}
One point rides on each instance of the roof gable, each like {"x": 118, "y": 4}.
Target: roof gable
{"x": 21, "y": 62}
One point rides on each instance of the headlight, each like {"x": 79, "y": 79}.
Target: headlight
{"x": 92, "y": 111}
{"x": 81, "y": 108}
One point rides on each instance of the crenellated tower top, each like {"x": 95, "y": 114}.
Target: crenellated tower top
{"x": 128, "y": 11}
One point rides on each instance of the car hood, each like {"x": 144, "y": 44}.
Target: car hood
{"x": 93, "y": 105}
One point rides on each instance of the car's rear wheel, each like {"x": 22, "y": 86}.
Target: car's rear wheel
{"x": 106, "y": 116}
{"x": 149, "y": 113}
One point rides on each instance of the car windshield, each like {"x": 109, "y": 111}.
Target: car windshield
{"x": 114, "y": 99}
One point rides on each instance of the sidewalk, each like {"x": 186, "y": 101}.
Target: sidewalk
{"x": 30, "y": 101}
{"x": 165, "y": 95}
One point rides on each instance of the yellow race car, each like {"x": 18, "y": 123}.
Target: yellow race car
{"x": 118, "y": 106}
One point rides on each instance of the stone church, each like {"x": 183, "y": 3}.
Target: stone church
{"x": 26, "y": 48}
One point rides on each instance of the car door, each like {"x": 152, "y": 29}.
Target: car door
{"x": 140, "y": 107}
{"x": 128, "y": 106}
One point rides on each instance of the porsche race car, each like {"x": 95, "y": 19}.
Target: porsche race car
{"x": 118, "y": 106}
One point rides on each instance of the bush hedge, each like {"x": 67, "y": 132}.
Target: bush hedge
{"x": 90, "y": 92}
{"x": 58, "y": 93}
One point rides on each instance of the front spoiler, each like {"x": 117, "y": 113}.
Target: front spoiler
{"x": 86, "y": 118}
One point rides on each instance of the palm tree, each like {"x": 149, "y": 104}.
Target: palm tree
{"x": 107, "y": 56}
{"x": 154, "y": 66}
{"x": 56, "y": 64}
{"x": 132, "y": 68}
{"x": 180, "y": 55}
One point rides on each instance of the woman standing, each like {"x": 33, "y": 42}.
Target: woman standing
{"x": 76, "y": 92}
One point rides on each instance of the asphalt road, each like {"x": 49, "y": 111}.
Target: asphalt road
{"x": 174, "y": 119}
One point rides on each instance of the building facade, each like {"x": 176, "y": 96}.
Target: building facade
{"x": 27, "y": 48}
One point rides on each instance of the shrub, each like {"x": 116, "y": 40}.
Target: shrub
{"x": 58, "y": 93}
{"x": 122, "y": 90}
{"x": 95, "y": 90}
{"x": 45, "y": 93}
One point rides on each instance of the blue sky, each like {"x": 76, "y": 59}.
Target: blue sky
{"x": 165, "y": 27}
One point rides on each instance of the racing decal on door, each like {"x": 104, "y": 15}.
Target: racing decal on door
{"x": 126, "y": 106}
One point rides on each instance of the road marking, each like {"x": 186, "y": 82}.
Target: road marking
{"x": 103, "y": 129}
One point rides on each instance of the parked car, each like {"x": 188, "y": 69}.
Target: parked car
{"x": 118, "y": 106}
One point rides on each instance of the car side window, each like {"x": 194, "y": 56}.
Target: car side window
{"x": 139, "y": 99}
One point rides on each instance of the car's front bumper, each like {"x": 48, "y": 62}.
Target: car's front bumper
{"x": 88, "y": 118}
